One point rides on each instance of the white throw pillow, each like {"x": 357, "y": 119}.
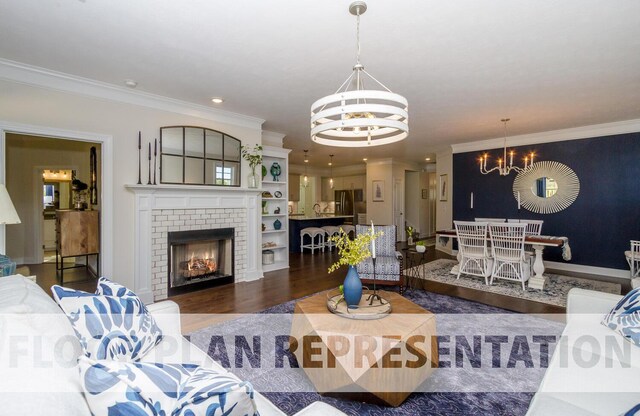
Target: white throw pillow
{"x": 109, "y": 327}
{"x": 624, "y": 318}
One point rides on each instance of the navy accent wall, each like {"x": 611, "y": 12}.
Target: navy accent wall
{"x": 599, "y": 223}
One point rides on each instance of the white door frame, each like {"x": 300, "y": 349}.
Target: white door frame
{"x": 106, "y": 193}
{"x": 398, "y": 208}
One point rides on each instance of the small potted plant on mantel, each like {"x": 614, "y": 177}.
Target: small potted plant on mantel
{"x": 254, "y": 157}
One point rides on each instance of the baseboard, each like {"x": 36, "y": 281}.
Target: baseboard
{"x": 580, "y": 268}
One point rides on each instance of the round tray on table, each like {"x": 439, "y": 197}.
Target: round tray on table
{"x": 364, "y": 311}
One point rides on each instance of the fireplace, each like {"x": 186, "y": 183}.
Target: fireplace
{"x": 199, "y": 259}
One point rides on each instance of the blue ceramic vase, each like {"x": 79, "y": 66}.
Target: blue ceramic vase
{"x": 352, "y": 287}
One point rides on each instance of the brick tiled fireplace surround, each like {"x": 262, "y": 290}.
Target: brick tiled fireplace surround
{"x": 163, "y": 208}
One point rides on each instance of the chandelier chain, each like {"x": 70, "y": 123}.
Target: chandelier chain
{"x": 358, "y": 36}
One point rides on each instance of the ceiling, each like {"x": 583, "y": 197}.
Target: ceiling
{"x": 463, "y": 65}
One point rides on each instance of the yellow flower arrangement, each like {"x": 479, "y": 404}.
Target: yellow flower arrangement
{"x": 353, "y": 251}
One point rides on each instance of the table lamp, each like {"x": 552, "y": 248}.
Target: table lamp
{"x": 8, "y": 215}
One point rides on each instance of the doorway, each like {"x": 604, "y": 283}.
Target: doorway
{"x": 44, "y": 176}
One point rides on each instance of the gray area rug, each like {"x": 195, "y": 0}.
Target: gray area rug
{"x": 555, "y": 289}
{"x": 471, "y": 379}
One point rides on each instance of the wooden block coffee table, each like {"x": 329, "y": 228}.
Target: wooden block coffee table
{"x": 380, "y": 361}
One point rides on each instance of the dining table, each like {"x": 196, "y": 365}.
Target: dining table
{"x": 538, "y": 242}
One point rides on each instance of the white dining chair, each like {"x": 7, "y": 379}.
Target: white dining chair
{"x": 534, "y": 227}
{"x": 474, "y": 252}
{"x": 507, "y": 250}
{"x": 487, "y": 220}
{"x": 633, "y": 258}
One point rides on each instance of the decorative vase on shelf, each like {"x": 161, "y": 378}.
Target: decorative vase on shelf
{"x": 252, "y": 179}
{"x": 276, "y": 170}
{"x": 352, "y": 288}
{"x": 277, "y": 225}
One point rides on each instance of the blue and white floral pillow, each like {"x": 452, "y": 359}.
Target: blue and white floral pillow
{"x": 624, "y": 318}
{"x": 114, "y": 325}
{"x": 138, "y": 389}
{"x": 208, "y": 392}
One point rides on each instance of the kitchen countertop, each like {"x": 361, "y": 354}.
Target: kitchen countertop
{"x": 306, "y": 218}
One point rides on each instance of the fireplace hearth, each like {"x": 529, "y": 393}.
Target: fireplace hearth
{"x": 199, "y": 259}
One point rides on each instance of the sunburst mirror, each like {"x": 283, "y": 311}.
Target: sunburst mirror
{"x": 547, "y": 187}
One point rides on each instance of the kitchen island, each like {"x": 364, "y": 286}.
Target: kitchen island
{"x": 297, "y": 223}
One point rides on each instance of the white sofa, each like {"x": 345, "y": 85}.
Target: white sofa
{"x": 593, "y": 371}
{"x": 38, "y": 349}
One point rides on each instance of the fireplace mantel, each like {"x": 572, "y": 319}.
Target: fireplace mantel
{"x": 149, "y": 198}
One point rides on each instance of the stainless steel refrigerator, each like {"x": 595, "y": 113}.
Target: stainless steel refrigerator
{"x": 350, "y": 202}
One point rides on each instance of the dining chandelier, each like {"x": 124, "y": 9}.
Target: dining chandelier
{"x": 502, "y": 168}
{"x": 356, "y": 117}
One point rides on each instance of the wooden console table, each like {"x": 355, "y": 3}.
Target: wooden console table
{"x": 77, "y": 235}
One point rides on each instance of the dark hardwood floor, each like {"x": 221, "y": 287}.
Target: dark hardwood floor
{"x": 308, "y": 274}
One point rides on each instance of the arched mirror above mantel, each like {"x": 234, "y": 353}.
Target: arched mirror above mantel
{"x": 198, "y": 156}
{"x": 546, "y": 187}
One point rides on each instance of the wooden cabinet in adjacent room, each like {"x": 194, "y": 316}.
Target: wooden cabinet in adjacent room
{"x": 77, "y": 235}
{"x": 78, "y": 232}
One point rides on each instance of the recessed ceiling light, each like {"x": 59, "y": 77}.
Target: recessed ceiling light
{"x": 217, "y": 100}
{"x": 428, "y": 159}
{"x": 130, "y": 83}
{"x": 364, "y": 159}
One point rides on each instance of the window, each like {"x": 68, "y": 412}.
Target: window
{"x": 223, "y": 176}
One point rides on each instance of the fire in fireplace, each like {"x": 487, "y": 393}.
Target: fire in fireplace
{"x": 200, "y": 259}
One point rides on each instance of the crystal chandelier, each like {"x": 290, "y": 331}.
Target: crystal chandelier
{"x": 354, "y": 116}
{"x": 502, "y": 168}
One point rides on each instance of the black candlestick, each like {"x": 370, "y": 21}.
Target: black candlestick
{"x": 149, "y": 182}
{"x": 155, "y": 159}
{"x": 374, "y": 295}
{"x": 139, "y": 161}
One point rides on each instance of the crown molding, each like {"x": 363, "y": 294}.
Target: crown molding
{"x": 272, "y": 138}
{"x": 45, "y": 78}
{"x": 575, "y": 133}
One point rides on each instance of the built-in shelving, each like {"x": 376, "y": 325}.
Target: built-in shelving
{"x": 280, "y": 237}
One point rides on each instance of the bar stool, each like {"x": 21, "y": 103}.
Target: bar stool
{"x": 348, "y": 229}
{"x": 312, "y": 232}
{"x": 330, "y": 230}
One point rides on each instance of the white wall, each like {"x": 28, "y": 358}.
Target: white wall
{"x": 444, "y": 211}
{"x": 33, "y": 105}
{"x": 380, "y": 212}
{"x": 412, "y": 200}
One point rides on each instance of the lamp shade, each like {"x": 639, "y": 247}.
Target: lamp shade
{"x": 8, "y": 214}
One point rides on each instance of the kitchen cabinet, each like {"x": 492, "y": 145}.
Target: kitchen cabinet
{"x": 327, "y": 194}
{"x": 350, "y": 182}
{"x": 294, "y": 188}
